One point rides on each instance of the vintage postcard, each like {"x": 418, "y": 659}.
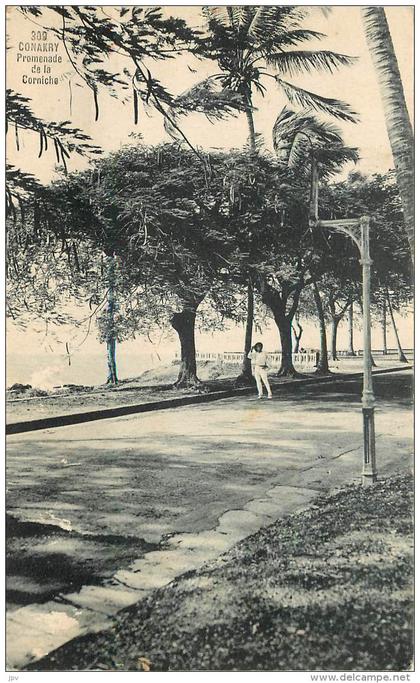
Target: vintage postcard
{"x": 209, "y": 273}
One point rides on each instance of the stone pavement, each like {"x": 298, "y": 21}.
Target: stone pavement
{"x": 185, "y": 484}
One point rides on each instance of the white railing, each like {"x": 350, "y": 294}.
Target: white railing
{"x": 274, "y": 357}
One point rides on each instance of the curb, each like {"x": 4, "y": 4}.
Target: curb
{"x": 106, "y": 413}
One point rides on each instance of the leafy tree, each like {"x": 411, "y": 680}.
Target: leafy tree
{"x": 46, "y": 276}
{"x": 251, "y": 44}
{"x": 109, "y": 328}
{"x": 312, "y": 149}
{"x": 161, "y": 212}
{"x": 269, "y": 230}
{"x": 266, "y": 228}
{"x": 339, "y": 291}
{"x": 90, "y": 38}
{"x": 402, "y": 356}
{"x": 43, "y": 274}
{"x": 378, "y": 197}
{"x": 322, "y": 367}
{"x": 185, "y": 231}
{"x": 54, "y": 279}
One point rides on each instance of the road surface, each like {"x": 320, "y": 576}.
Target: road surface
{"x": 118, "y": 503}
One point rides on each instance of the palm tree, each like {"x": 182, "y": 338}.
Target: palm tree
{"x": 312, "y": 148}
{"x": 251, "y": 44}
{"x": 400, "y": 131}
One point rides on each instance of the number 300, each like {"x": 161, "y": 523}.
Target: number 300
{"x": 39, "y": 35}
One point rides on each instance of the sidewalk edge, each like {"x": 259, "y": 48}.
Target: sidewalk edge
{"x": 121, "y": 411}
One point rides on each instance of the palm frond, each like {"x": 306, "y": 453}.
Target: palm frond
{"x": 305, "y": 98}
{"x": 374, "y": 23}
{"x": 207, "y": 97}
{"x": 290, "y": 123}
{"x": 301, "y": 61}
{"x": 297, "y": 153}
{"x": 232, "y": 17}
{"x": 270, "y": 22}
{"x": 218, "y": 14}
{"x": 300, "y": 35}
{"x": 337, "y": 156}
{"x": 325, "y": 10}
{"x": 258, "y": 24}
{"x": 300, "y": 136}
{"x": 242, "y": 15}
{"x": 331, "y": 161}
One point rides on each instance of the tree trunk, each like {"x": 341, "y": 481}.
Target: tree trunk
{"x": 183, "y": 323}
{"x": 112, "y": 362}
{"x": 402, "y": 356}
{"x": 334, "y": 328}
{"x": 372, "y": 360}
{"x": 384, "y": 340}
{"x": 277, "y": 306}
{"x": 350, "y": 350}
{"x": 313, "y": 202}
{"x": 250, "y": 121}
{"x": 284, "y": 325}
{"x": 297, "y": 336}
{"x": 111, "y": 341}
{"x": 322, "y": 364}
{"x": 400, "y": 131}
{"x": 245, "y": 377}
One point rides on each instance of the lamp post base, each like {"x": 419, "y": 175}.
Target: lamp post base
{"x": 369, "y": 473}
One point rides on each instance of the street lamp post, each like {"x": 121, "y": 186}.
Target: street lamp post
{"x": 358, "y": 230}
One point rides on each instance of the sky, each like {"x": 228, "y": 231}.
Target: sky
{"x": 356, "y": 84}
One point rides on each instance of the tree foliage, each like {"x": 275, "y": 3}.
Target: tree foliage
{"x": 376, "y": 196}
{"x": 61, "y": 136}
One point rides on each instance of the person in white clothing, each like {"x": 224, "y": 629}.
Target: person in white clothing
{"x": 259, "y": 365}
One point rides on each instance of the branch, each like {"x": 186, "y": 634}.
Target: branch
{"x": 295, "y": 302}
{"x": 165, "y": 114}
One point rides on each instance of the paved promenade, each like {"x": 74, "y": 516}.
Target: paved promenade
{"x": 102, "y": 513}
